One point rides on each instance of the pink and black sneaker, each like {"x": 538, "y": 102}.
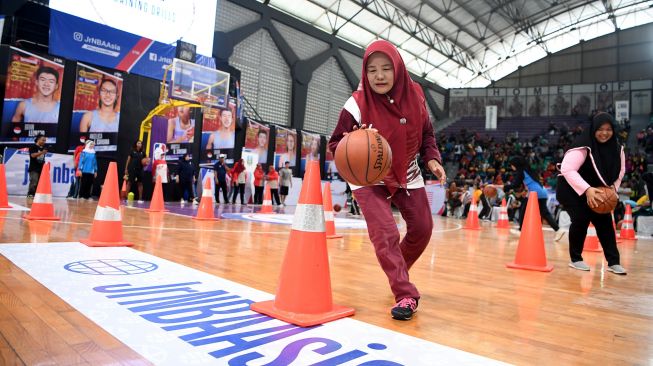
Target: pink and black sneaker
{"x": 404, "y": 309}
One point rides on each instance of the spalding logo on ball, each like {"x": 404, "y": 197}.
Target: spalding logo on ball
{"x": 363, "y": 157}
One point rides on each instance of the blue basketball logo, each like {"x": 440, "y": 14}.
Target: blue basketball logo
{"x": 111, "y": 267}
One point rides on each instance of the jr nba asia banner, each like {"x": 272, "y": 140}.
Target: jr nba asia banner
{"x": 79, "y": 39}
{"x": 62, "y": 172}
{"x": 96, "y": 110}
{"x": 32, "y": 95}
{"x": 175, "y": 315}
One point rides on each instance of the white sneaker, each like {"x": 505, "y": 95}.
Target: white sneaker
{"x": 141, "y": 201}
{"x": 617, "y": 269}
{"x": 182, "y": 201}
{"x": 580, "y": 265}
{"x": 516, "y": 232}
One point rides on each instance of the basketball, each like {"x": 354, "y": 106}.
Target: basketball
{"x": 145, "y": 161}
{"x": 490, "y": 191}
{"x": 609, "y": 200}
{"x": 363, "y": 157}
{"x": 337, "y": 208}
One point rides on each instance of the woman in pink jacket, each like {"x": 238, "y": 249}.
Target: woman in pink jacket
{"x": 388, "y": 99}
{"x": 595, "y": 160}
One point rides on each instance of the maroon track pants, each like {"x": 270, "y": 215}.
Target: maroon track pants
{"x": 396, "y": 257}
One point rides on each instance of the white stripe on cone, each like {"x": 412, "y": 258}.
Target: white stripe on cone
{"x": 207, "y": 193}
{"x": 309, "y": 218}
{"x": 328, "y": 215}
{"x": 627, "y": 225}
{"x": 591, "y": 231}
{"x": 42, "y": 198}
{"x": 267, "y": 203}
{"x": 472, "y": 208}
{"x": 107, "y": 214}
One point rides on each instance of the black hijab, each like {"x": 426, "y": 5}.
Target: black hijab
{"x": 607, "y": 156}
{"x": 522, "y": 165}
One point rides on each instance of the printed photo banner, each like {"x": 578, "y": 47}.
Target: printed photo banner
{"x": 285, "y": 147}
{"x": 175, "y": 315}
{"x": 62, "y": 172}
{"x": 172, "y": 136}
{"x": 310, "y": 148}
{"x": 329, "y": 162}
{"x": 96, "y": 109}
{"x": 32, "y": 98}
{"x": 218, "y": 132}
{"x": 257, "y": 138}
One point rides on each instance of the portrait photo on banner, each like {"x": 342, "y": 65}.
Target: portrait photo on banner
{"x": 310, "y": 148}
{"x": 96, "y": 108}
{"x": 219, "y": 129}
{"x": 257, "y": 140}
{"x": 32, "y": 97}
{"x": 285, "y": 147}
{"x": 172, "y": 134}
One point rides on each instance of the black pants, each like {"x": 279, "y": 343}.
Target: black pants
{"x": 275, "y": 196}
{"x": 544, "y": 213}
{"x": 221, "y": 185}
{"x": 486, "y": 212}
{"x": 34, "y": 177}
{"x": 186, "y": 190}
{"x": 240, "y": 188}
{"x": 258, "y": 195}
{"x": 87, "y": 185}
{"x": 581, "y": 216}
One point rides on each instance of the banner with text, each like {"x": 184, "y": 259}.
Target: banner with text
{"x": 83, "y": 40}
{"x": 62, "y": 172}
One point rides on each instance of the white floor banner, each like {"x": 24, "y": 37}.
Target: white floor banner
{"x": 175, "y": 315}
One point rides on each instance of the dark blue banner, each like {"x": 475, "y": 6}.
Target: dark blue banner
{"x": 79, "y": 39}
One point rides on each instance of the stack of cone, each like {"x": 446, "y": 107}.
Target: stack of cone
{"x": 205, "y": 209}
{"x": 627, "y": 229}
{"x": 530, "y": 252}
{"x": 266, "y": 208}
{"x": 157, "y": 197}
{"x": 591, "y": 241}
{"x": 42, "y": 207}
{"x": 328, "y": 213}
{"x": 4, "y": 199}
{"x": 472, "y": 217}
{"x": 304, "y": 293}
{"x": 503, "y": 222}
{"x": 107, "y": 224}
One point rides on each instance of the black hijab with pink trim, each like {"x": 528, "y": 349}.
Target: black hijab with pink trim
{"x": 607, "y": 155}
{"x": 376, "y": 109}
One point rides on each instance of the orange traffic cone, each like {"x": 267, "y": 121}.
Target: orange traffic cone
{"x": 627, "y": 229}
{"x": 205, "y": 209}
{"x": 530, "y": 252}
{"x": 304, "y": 292}
{"x": 472, "y": 217}
{"x": 42, "y": 207}
{"x": 591, "y": 241}
{"x": 503, "y": 222}
{"x": 4, "y": 199}
{"x": 123, "y": 190}
{"x": 266, "y": 208}
{"x": 157, "y": 197}
{"x": 107, "y": 224}
{"x": 328, "y": 213}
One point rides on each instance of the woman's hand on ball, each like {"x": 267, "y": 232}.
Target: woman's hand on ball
{"x": 362, "y": 127}
{"x": 593, "y": 197}
{"x": 437, "y": 169}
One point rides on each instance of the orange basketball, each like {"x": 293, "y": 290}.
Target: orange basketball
{"x": 363, "y": 157}
{"x": 337, "y": 208}
{"x": 608, "y": 199}
{"x": 490, "y": 191}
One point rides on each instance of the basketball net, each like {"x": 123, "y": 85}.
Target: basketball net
{"x": 202, "y": 101}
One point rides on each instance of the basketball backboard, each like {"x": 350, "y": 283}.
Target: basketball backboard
{"x": 192, "y": 82}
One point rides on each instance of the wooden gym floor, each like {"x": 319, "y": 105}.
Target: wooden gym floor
{"x": 470, "y": 301}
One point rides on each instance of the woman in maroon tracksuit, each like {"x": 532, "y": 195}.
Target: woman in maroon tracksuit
{"x": 390, "y": 102}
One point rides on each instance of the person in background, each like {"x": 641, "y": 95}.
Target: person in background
{"x": 76, "y": 184}
{"x": 239, "y": 178}
{"x": 37, "y": 154}
{"x": 88, "y": 166}
{"x": 273, "y": 180}
{"x": 160, "y": 169}
{"x": 220, "y": 171}
{"x": 186, "y": 178}
{"x": 134, "y": 168}
{"x": 259, "y": 178}
{"x": 285, "y": 174}
{"x": 354, "y": 209}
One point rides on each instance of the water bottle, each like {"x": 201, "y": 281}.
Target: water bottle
{"x": 130, "y": 197}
